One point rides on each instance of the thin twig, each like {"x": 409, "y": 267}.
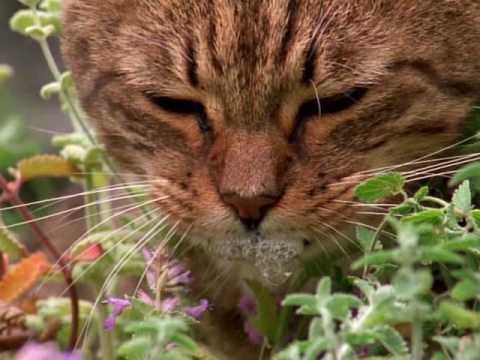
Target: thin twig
{"x": 13, "y": 198}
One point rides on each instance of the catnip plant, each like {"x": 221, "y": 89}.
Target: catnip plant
{"x": 413, "y": 293}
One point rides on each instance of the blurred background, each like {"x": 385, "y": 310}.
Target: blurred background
{"x": 20, "y": 96}
{"x": 27, "y": 122}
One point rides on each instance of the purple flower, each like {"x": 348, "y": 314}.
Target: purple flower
{"x": 159, "y": 265}
{"x": 119, "y": 306}
{"x": 248, "y": 308}
{"x": 197, "y": 312}
{"x": 169, "y": 304}
{"x": 46, "y": 351}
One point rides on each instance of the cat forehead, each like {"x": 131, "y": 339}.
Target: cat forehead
{"x": 261, "y": 41}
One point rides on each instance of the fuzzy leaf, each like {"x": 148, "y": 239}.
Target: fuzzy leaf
{"x": 376, "y": 258}
{"x": 409, "y": 284}
{"x": 266, "y": 320}
{"x": 9, "y": 243}
{"x": 380, "y": 187}
{"x": 391, "y": 340}
{"x": 366, "y": 237}
{"x": 460, "y": 316}
{"x": 462, "y": 198}
{"x": 23, "y": 276}
{"x": 475, "y": 214}
{"x": 421, "y": 193}
{"x": 468, "y": 172}
{"x": 466, "y": 289}
{"x": 434, "y": 217}
{"x": 441, "y": 255}
{"x": 45, "y": 166}
{"x": 136, "y": 348}
{"x": 340, "y": 305}
{"x": 6, "y": 72}
{"x": 467, "y": 242}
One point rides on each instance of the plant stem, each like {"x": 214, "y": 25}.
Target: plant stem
{"x": 14, "y": 199}
{"x": 106, "y": 337}
{"x": 417, "y": 340}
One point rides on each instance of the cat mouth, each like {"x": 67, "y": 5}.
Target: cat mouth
{"x": 272, "y": 258}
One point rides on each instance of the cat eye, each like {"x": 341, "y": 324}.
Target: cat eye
{"x": 331, "y": 105}
{"x": 183, "y": 107}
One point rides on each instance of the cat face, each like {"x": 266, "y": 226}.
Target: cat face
{"x": 257, "y": 118}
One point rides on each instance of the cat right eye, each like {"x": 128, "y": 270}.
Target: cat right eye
{"x": 183, "y": 107}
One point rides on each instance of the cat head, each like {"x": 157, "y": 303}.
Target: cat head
{"x": 255, "y": 119}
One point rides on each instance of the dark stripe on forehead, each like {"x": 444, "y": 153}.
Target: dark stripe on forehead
{"x": 310, "y": 61}
{"x": 450, "y": 87}
{"x": 192, "y": 65}
{"x": 99, "y": 84}
{"x": 212, "y": 38}
{"x": 287, "y": 41}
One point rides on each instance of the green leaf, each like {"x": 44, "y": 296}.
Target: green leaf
{"x": 409, "y": 284}
{"x": 458, "y": 315}
{"x": 366, "y": 238}
{"x": 324, "y": 288}
{"x": 136, "y": 349}
{"x": 433, "y": 216}
{"x": 266, "y": 320}
{"x": 340, "y": 305}
{"x": 391, "y": 340}
{"x": 422, "y": 193}
{"x": 9, "y": 244}
{"x": 475, "y": 214}
{"x": 6, "y": 72}
{"x": 377, "y": 258}
{"x": 466, "y": 289}
{"x": 299, "y": 300}
{"x": 50, "y": 90}
{"x": 467, "y": 242}
{"x": 316, "y": 347}
{"x": 380, "y": 187}
{"x": 440, "y": 255}
{"x": 462, "y": 198}
{"x": 468, "y": 172}
{"x": 45, "y": 166}
{"x": 52, "y": 6}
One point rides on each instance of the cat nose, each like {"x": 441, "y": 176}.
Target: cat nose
{"x": 250, "y": 210}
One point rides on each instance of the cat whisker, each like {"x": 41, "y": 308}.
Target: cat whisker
{"x": 155, "y": 230}
{"x": 106, "y": 253}
{"x": 72, "y": 196}
{"x": 80, "y": 207}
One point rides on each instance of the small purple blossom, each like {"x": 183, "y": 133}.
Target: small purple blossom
{"x": 160, "y": 265}
{"x": 46, "y": 351}
{"x": 248, "y": 308}
{"x": 169, "y": 304}
{"x": 197, "y": 312}
{"x": 119, "y": 306}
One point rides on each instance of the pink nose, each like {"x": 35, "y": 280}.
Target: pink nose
{"x": 250, "y": 210}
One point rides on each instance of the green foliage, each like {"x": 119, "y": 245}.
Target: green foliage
{"x": 422, "y": 282}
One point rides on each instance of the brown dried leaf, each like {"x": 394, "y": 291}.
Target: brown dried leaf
{"x": 23, "y": 277}
{"x": 45, "y": 166}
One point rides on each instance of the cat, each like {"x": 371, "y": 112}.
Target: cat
{"x": 260, "y": 116}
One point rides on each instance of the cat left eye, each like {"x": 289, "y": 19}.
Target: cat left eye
{"x": 183, "y": 107}
{"x": 333, "y": 104}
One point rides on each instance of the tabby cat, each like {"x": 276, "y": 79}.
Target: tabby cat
{"x": 259, "y": 117}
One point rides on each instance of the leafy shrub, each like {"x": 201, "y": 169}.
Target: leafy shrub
{"x": 413, "y": 294}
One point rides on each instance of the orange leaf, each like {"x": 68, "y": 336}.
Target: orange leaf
{"x": 23, "y": 277}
